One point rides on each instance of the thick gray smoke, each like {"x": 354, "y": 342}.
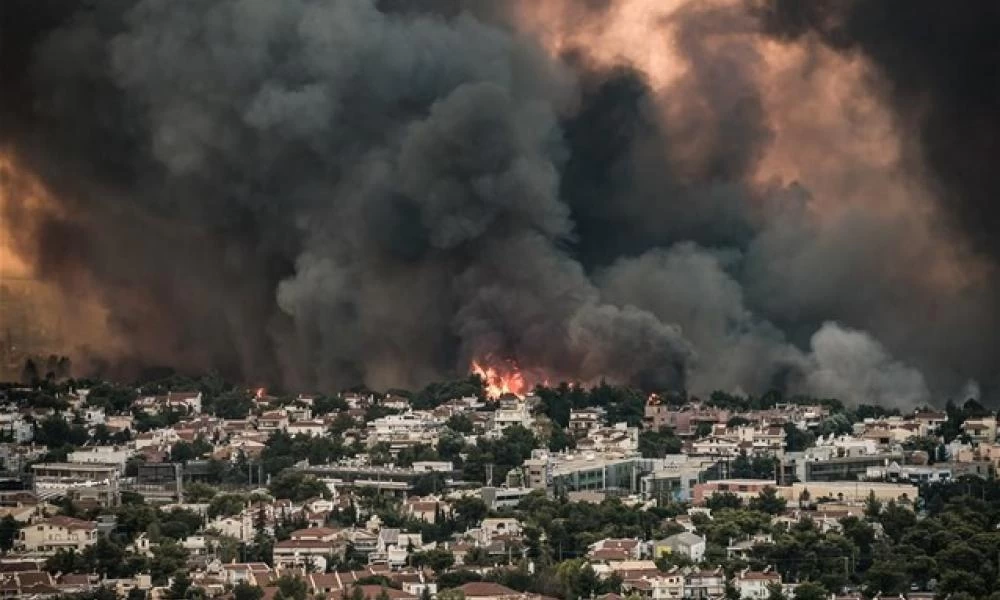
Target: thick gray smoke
{"x": 330, "y": 193}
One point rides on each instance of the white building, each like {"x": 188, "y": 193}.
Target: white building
{"x": 309, "y": 428}
{"x": 57, "y": 533}
{"x": 14, "y": 428}
{"x": 94, "y": 415}
{"x": 101, "y": 455}
{"x": 756, "y": 584}
{"x": 685, "y": 543}
{"x": 239, "y": 527}
{"x": 512, "y": 411}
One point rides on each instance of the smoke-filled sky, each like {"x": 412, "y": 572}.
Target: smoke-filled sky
{"x": 679, "y": 195}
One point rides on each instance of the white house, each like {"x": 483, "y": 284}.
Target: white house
{"x": 309, "y": 428}
{"x": 57, "y": 533}
{"x": 14, "y": 428}
{"x": 240, "y": 527}
{"x": 686, "y": 543}
{"x": 756, "y": 584}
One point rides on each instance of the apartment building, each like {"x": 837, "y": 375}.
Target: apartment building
{"x": 57, "y": 533}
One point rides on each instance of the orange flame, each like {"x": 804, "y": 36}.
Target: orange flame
{"x": 260, "y": 393}
{"x": 500, "y": 380}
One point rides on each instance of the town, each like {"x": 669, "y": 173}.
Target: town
{"x": 195, "y": 488}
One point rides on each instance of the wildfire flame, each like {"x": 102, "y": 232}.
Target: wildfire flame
{"x": 500, "y": 380}
{"x": 259, "y": 394}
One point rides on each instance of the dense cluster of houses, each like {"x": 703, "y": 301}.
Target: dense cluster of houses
{"x": 831, "y": 478}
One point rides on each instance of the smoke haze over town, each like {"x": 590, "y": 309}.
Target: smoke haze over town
{"x": 676, "y": 195}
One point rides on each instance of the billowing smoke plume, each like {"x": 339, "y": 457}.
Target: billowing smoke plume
{"x": 330, "y": 193}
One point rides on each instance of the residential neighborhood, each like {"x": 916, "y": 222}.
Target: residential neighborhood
{"x": 202, "y": 491}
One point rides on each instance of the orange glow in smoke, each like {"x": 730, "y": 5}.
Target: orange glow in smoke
{"x": 500, "y": 380}
{"x": 260, "y": 393}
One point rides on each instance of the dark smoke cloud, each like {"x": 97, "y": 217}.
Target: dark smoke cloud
{"x": 936, "y": 63}
{"x": 330, "y": 193}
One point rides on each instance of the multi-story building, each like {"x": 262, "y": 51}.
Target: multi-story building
{"x": 981, "y": 430}
{"x": 843, "y": 459}
{"x": 77, "y": 480}
{"x": 704, "y": 583}
{"x": 14, "y": 428}
{"x": 583, "y": 420}
{"x": 512, "y": 411}
{"x": 57, "y": 533}
{"x": 618, "y": 438}
{"x": 311, "y": 547}
{"x": 756, "y": 584}
{"x": 745, "y": 489}
{"x": 685, "y": 543}
{"x": 101, "y": 455}
{"x": 496, "y": 498}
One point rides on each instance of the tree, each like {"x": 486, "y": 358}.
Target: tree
{"x": 724, "y": 500}
{"x": 768, "y": 501}
{"x": 198, "y": 492}
{"x": 451, "y": 594}
{"x": 469, "y": 512}
{"x": 459, "y": 423}
{"x": 140, "y": 594}
{"x": 703, "y": 429}
{"x": 896, "y": 520}
{"x": 438, "y": 559}
{"x": 235, "y": 404}
{"x": 873, "y": 507}
{"x": 65, "y": 561}
{"x": 180, "y": 585}
{"x": 169, "y": 558}
{"x": 245, "y": 591}
{"x": 9, "y": 529}
{"x": 657, "y": 444}
{"x": 774, "y": 592}
{"x": 797, "y": 440}
{"x": 291, "y": 588}
{"x": 226, "y": 505}
{"x": 810, "y": 590}
{"x": 297, "y": 487}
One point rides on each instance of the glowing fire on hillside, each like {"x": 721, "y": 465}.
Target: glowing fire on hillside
{"x": 506, "y": 378}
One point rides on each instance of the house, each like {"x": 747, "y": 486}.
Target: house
{"x": 982, "y": 430}
{"x": 756, "y": 584}
{"x": 239, "y": 527}
{"x": 15, "y": 428}
{"x": 483, "y": 590}
{"x": 189, "y": 402}
{"x": 310, "y": 547}
{"x": 494, "y": 527}
{"x": 426, "y": 509}
{"x": 236, "y": 573}
{"x": 272, "y": 421}
{"x": 364, "y": 542}
{"x": 94, "y": 415}
{"x": 28, "y": 584}
{"x": 308, "y": 428}
{"x": 714, "y": 445}
{"x": 415, "y": 583}
{"x": 583, "y": 420}
{"x": 373, "y": 592}
{"x": 614, "y": 550}
{"x": 56, "y": 533}
{"x": 512, "y": 411}
{"x": 661, "y": 586}
{"x": 686, "y": 543}
{"x": 704, "y": 583}
{"x": 101, "y": 455}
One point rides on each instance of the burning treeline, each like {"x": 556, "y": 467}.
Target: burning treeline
{"x": 672, "y": 194}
